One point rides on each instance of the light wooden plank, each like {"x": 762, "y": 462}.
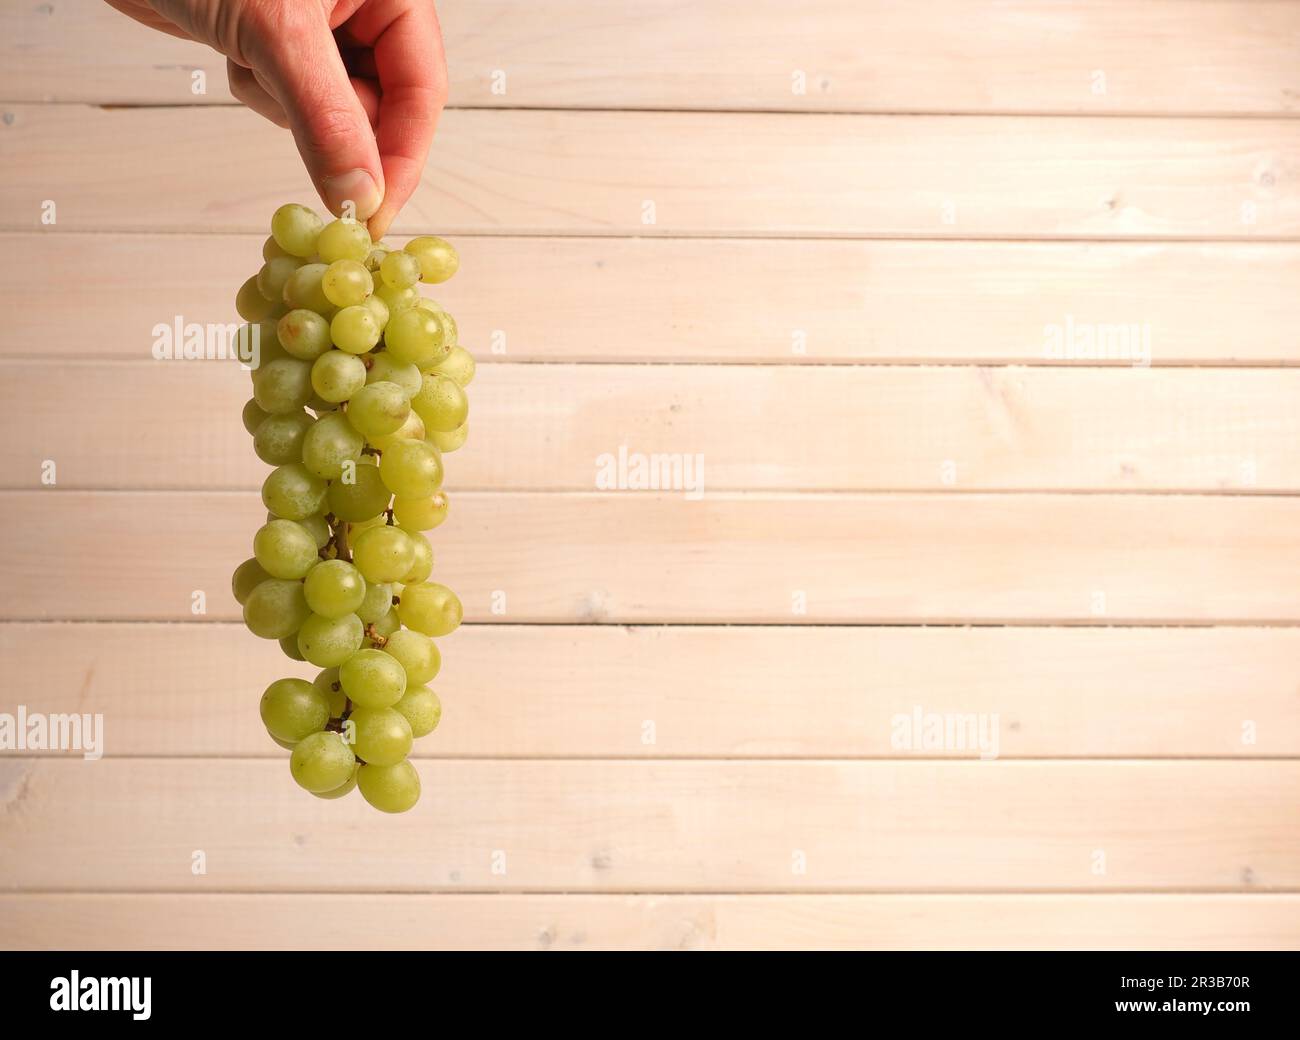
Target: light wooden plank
{"x": 947, "y": 56}
{"x": 521, "y": 690}
{"x": 135, "y": 824}
{"x": 605, "y": 557}
{"x": 341, "y": 921}
{"x": 539, "y": 427}
{"x": 710, "y": 300}
{"x": 665, "y": 173}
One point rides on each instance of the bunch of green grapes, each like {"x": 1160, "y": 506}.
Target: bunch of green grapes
{"x": 358, "y": 391}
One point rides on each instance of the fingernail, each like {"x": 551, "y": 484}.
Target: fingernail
{"x": 357, "y": 189}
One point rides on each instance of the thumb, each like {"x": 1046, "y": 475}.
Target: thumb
{"x": 302, "y": 67}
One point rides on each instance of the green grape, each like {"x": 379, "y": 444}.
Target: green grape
{"x": 362, "y": 498}
{"x": 380, "y": 735}
{"x": 429, "y": 608}
{"x": 293, "y": 708}
{"x": 441, "y": 402}
{"x": 354, "y": 329}
{"x": 458, "y": 365}
{"x": 285, "y": 549}
{"x": 336, "y": 376}
{"x": 450, "y": 328}
{"x": 253, "y": 415}
{"x": 377, "y": 604}
{"x": 344, "y": 240}
{"x": 303, "y": 290}
{"x": 330, "y": 442}
{"x": 387, "y": 625}
{"x": 250, "y": 304}
{"x": 304, "y": 334}
{"x": 391, "y": 789}
{"x": 421, "y": 709}
{"x": 293, "y": 492}
{"x": 288, "y": 745}
{"x": 400, "y": 270}
{"x": 378, "y": 409}
{"x": 345, "y": 788}
{"x": 415, "y": 336}
{"x": 319, "y": 405}
{"x": 271, "y": 249}
{"x": 397, "y": 300}
{"x": 273, "y": 275}
{"x": 411, "y": 430}
{"x": 275, "y": 609}
{"x": 327, "y": 682}
{"x": 322, "y": 762}
{"x": 327, "y": 642}
{"x": 384, "y": 368}
{"x": 377, "y": 307}
{"x": 372, "y": 679}
{"x": 316, "y": 526}
{"x": 256, "y": 344}
{"x": 248, "y": 575}
{"x": 447, "y": 442}
{"x": 422, "y": 565}
{"x": 383, "y": 554}
{"x": 346, "y": 283}
{"x": 420, "y": 514}
{"x": 279, "y": 438}
{"x": 294, "y": 229}
{"x": 375, "y": 259}
{"x": 438, "y": 259}
{"x": 417, "y": 654}
{"x": 282, "y": 386}
{"x": 289, "y": 645}
{"x": 334, "y": 589}
{"x": 411, "y": 469}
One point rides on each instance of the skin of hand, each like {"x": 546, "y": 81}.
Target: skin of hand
{"x": 361, "y": 84}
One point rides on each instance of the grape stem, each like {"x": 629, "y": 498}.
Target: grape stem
{"x": 338, "y": 538}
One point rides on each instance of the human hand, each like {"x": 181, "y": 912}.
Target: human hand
{"x": 359, "y": 82}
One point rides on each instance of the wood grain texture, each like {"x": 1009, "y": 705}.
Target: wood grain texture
{"x": 1085, "y": 56}
{"x": 648, "y": 922}
{"x": 778, "y": 428}
{"x": 698, "y": 300}
{"x": 634, "y": 173}
{"x": 133, "y": 824}
{"x": 651, "y": 692}
{"x": 607, "y": 557}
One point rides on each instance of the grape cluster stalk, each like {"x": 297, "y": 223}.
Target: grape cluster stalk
{"x": 358, "y": 391}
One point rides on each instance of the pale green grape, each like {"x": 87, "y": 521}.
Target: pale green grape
{"x": 372, "y": 679}
{"x": 273, "y": 275}
{"x": 271, "y": 249}
{"x": 354, "y": 329}
{"x": 376, "y": 305}
{"x": 344, "y": 240}
{"x": 275, "y": 609}
{"x": 363, "y": 498}
{"x": 334, "y": 589}
{"x": 411, "y": 469}
{"x": 411, "y": 430}
{"x": 345, "y": 788}
{"x": 377, "y": 604}
{"x": 303, "y": 290}
{"x": 330, "y": 442}
{"x": 387, "y": 625}
{"x": 282, "y": 386}
{"x": 253, "y": 415}
{"x": 415, "y": 336}
{"x": 327, "y": 642}
{"x": 378, "y": 409}
{"x": 289, "y": 645}
{"x": 457, "y": 365}
{"x": 422, "y": 563}
{"x": 250, "y": 304}
{"x": 295, "y": 228}
{"x": 441, "y": 402}
{"x": 397, "y": 300}
{"x": 375, "y": 259}
{"x": 391, "y": 789}
{"x": 400, "y": 270}
{"x": 285, "y": 549}
{"x": 316, "y": 526}
{"x": 304, "y": 334}
{"x": 420, "y": 514}
{"x": 347, "y": 283}
{"x": 293, "y": 492}
{"x": 279, "y": 438}
{"x": 421, "y": 709}
{"x": 416, "y": 653}
{"x": 429, "y": 608}
{"x": 336, "y": 376}
{"x": 327, "y": 682}
{"x": 384, "y": 368}
{"x": 383, "y": 554}
{"x": 322, "y": 762}
{"x": 248, "y": 575}
{"x": 448, "y": 442}
{"x": 437, "y": 257}
{"x": 380, "y": 735}
{"x": 293, "y": 708}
